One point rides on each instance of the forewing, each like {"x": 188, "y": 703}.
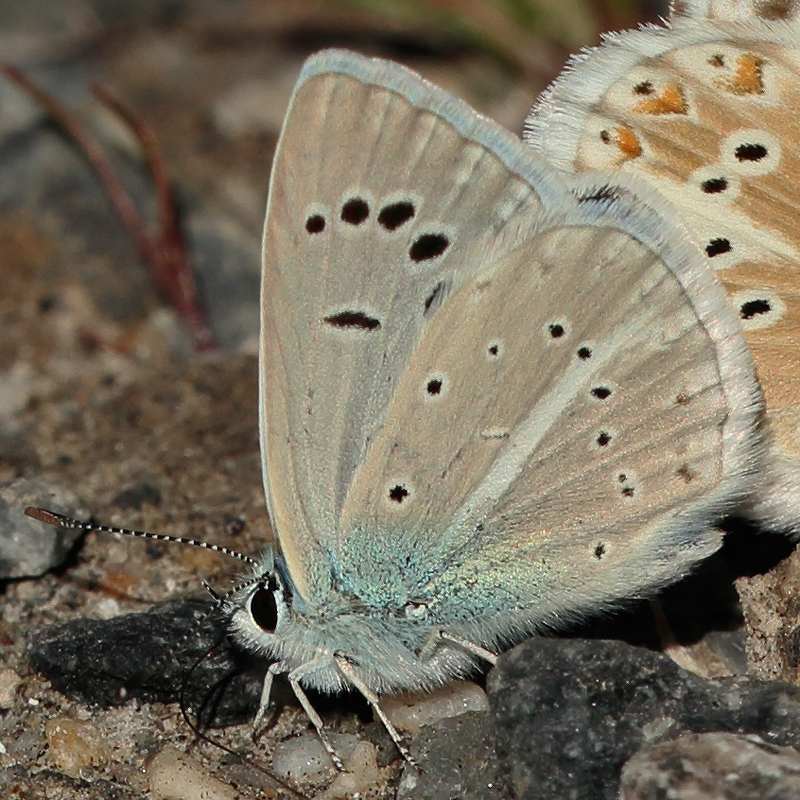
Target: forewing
{"x": 386, "y": 195}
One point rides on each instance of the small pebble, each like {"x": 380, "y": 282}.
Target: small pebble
{"x": 409, "y": 711}
{"x": 173, "y": 775}
{"x": 9, "y": 683}
{"x": 74, "y": 745}
{"x": 712, "y": 766}
{"x": 362, "y": 774}
{"x": 305, "y": 757}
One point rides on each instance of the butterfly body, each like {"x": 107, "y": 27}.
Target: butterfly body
{"x": 374, "y": 625}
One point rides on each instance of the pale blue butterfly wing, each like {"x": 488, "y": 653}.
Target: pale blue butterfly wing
{"x": 384, "y": 196}
{"x": 705, "y": 110}
{"x": 586, "y": 428}
{"x": 491, "y": 398}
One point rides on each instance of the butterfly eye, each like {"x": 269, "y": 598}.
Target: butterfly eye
{"x": 264, "y": 609}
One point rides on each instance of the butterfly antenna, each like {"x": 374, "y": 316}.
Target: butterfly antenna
{"x": 61, "y": 521}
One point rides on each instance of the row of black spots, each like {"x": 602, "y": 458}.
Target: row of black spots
{"x": 356, "y": 211}
{"x": 559, "y": 331}
{"x": 716, "y": 186}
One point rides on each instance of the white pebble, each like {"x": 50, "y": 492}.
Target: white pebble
{"x": 74, "y": 745}
{"x": 362, "y": 774}
{"x": 172, "y": 775}
{"x": 9, "y": 683}
{"x": 410, "y": 712}
{"x": 305, "y": 757}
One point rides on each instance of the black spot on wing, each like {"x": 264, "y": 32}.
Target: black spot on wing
{"x": 315, "y": 224}
{"x": 602, "y": 194}
{"x": 428, "y": 246}
{"x": 753, "y": 308}
{"x": 353, "y": 319}
{"x": 435, "y": 298}
{"x": 717, "y": 247}
{"x": 355, "y": 211}
{"x": 392, "y": 216}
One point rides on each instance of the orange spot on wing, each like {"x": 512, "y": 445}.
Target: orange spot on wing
{"x": 668, "y": 100}
{"x": 627, "y": 142}
{"x": 748, "y": 78}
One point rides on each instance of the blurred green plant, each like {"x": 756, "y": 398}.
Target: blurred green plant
{"x": 514, "y": 30}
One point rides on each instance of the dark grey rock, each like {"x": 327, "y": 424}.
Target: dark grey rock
{"x": 176, "y": 652}
{"x": 459, "y": 759}
{"x": 143, "y": 493}
{"x": 713, "y": 766}
{"x": 27, "y": 547}
{"x": 570, "y": 713}
{"x": 226, "y": 259}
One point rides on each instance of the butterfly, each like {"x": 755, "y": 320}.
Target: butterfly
{"x": 705, "y": 110}
{"x": 493, "y": 398}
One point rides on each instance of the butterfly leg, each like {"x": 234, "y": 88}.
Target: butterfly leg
{"x": 294, "y": 681}
{"x": 348, "y": 670}
{"x": 439, "y": 636}
{"x": 275, "y": 668}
